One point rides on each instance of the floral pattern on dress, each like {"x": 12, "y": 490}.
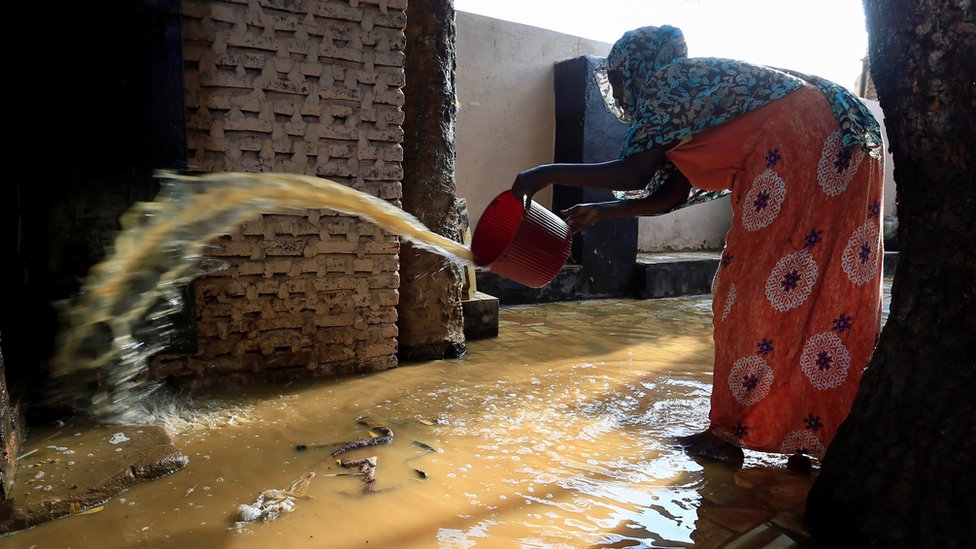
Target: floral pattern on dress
{"x": 843, "y": 323}
{"x": 837, "y": 165}
{"x": 802, "y": 442}
{"x": 729, "y": 301}
{"x": 825, "y": 361}
{"x": 792, "y": 280}
{"x": 750, "y": 380}
{"x": 814, "y": 237}
{"x": 763, "y": 200}
{"x": 862, "y": 254}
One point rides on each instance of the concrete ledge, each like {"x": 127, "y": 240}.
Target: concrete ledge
{"x": 690, "y": 273}
{"x": 62, "y": 474}
{"x": 674, "y": 279}
{"x": 566, "y": 286}
{"x": 890, "y": 263}
{"x": 480, "y": 316}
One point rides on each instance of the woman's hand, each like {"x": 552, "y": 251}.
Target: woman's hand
{"x": 581, "y": 216}
{"x": 528, "y": 183}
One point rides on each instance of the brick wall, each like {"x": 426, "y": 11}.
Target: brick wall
{"x": 309, "y": 87}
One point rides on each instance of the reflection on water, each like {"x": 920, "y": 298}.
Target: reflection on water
{"x": 555, "y": 434}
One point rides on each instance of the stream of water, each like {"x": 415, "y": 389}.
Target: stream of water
{"x": 121, "y": 317}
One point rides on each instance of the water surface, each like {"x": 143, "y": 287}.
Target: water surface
{"x": 555, "y": 434}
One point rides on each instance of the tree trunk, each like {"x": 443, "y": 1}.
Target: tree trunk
{"x": 430, "y": 321}
{"x": 900, "y": 472}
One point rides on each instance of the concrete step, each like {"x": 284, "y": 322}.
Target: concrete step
{"x": 676, "y": 274}
{"x": 480, "y": 316}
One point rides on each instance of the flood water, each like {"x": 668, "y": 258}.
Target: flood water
{"x": 555, "y": 434}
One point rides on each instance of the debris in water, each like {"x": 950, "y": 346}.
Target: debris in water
{"x": 425, "y": 446}
{"x": 118, "y": 438}
{"x": 367, "y": 469}
{"x": 369, "y": 422}
{"x": 367, "y": 466}
{"x": 303, "y": 447}
{"x": 421, "y": 474}
{"x": 376, "y": 431}
{"x": 386, "y": 437}
{"x": 271, "y": 504}
{"x": 22, "y": 456}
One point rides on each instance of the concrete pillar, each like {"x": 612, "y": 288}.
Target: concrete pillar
{"x": 11, "y": 434}
{"x": 430, "y": 319}
{"x": 587, "y": 132}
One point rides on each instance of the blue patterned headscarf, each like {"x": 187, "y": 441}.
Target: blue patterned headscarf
{"x": 637, "y": 55}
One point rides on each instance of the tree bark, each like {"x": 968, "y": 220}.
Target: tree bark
{"x": 900, "y": 472}
{"x": 430, "y": 318}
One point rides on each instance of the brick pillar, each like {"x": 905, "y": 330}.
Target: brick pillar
{"x": 303, "y": 87}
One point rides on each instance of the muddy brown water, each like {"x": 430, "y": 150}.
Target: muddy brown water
{"x": 555, "y": 434}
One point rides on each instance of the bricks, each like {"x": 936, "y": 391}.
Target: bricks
{"x": 313, "y": 87}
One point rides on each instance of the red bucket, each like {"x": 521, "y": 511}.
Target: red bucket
{"x": 528, "y": 246}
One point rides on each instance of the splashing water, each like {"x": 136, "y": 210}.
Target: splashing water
{"x": 123, "y": 314}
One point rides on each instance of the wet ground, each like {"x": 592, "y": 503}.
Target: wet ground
{"x": 555, "y": 434}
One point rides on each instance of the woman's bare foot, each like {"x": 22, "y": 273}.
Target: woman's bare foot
{"x": 707, "y": 445}
{"x": 799, "y": 463}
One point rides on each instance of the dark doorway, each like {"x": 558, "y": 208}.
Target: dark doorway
{"x": 98, "y": 106}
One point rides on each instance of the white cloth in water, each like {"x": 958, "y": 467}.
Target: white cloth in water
{"x": 271, "y": 504}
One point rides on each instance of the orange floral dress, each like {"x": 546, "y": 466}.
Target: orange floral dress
{"x": 797, "y": 295}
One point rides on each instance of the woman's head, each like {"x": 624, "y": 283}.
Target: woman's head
{"x": 636, "y": 56}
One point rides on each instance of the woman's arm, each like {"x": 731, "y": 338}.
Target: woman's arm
{"x": 630, "y": 173}
{"x": 672, "y": 194}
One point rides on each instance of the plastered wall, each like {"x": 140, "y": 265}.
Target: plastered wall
{"x": 506, "y": 122}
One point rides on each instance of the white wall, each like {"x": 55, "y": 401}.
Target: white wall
{"x": 889, "y": 167}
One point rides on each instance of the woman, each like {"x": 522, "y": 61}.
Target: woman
{"x": 797, "y": 296}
